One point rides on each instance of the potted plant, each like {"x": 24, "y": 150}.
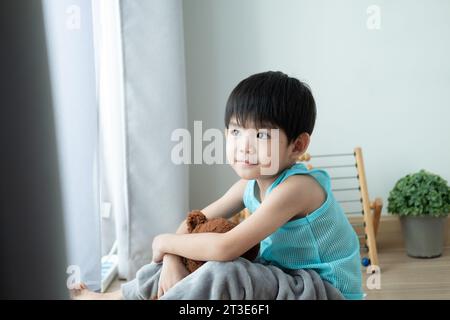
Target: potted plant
{"x": 422, "y": 201}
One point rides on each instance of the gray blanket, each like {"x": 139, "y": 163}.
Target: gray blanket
{"x": 235, "y": 280}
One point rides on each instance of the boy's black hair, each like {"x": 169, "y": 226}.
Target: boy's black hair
{"x": 273, "y": 100}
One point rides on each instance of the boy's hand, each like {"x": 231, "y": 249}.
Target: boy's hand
{"x": 172, "y": 271}
{"x": 157, "y": 248}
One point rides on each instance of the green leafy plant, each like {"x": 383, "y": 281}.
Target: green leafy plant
{"x": 420, "y": 194}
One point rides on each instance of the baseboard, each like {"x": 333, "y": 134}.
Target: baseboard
{"x": 390, "y": 232}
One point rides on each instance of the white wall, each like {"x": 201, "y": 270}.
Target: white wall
{"x": 385, "y": 90}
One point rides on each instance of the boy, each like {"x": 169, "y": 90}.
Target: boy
{"x": 269, "y": 119}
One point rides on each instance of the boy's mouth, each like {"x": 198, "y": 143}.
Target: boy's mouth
{"x": 246, "y": 163}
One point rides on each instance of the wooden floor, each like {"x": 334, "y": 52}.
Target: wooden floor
{"x": 115, "y": 285}
{"x": 401, "y": 277}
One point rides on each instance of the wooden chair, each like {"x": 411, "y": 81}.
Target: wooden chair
{"x": 370, "y": 210}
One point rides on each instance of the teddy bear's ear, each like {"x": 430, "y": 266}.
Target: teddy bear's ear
{"x": 195, "y": 218}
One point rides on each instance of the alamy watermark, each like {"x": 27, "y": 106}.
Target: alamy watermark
{"x": 374, "y": 17}
{"x": 250, "y": 147}
{"x": 373, "y": 281}
{"x": 73, "y": 17}
{"x": 74, "y": 278}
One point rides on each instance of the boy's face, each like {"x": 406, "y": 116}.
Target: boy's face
{"x": 255, "y": 153}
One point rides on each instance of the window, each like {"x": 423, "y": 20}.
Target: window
{"x": 109, "y": 74}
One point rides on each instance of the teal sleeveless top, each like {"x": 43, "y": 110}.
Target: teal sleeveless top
{"x": 324, "y": 240}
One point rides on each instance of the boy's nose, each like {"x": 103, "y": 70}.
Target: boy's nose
{"x": 246, "y": 146}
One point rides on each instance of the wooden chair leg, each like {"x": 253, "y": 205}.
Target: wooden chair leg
{"x": 376, "y": 207}
{"x": 368, "y": 218}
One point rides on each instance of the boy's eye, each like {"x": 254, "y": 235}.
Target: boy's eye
{"x": 262, "y": 135}
{"x": 234, "y": 132}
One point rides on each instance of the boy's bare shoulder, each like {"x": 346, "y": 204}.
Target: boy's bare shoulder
{"x": 303, "y": 180}
{"x": 308, "y": 190}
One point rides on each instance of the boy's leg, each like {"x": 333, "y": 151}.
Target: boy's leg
{"x": 145, "y": 285}
{"x": 232, "y": 280}
{"x": 81, "y": 292}
{"x": 243, "y": 280}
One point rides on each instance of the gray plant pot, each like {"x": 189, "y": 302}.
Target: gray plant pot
{"x": 424, "y": 236}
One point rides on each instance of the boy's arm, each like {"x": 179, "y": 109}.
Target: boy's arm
{"x": 229, "y": 204}
{"x": 297, "y": 195}
{"x": 226, "y": 206}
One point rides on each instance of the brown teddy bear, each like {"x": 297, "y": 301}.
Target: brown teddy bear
{"x": 197, "y": 222}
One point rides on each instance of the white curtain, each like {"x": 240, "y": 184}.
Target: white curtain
{"x": 141, "y": 70}
{"x": 72, "y": 72}
{"x": 155, "y": 105}
{"x": 32, "y": 244}
{"x": 113, "y": 162}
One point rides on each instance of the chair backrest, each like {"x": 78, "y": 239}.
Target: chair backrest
{"x": 349, "y": 185}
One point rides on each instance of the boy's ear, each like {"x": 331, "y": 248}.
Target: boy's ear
{"x": 301, "y": 144}
{"x": 225, "y": 132}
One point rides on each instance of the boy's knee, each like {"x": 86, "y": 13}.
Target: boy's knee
{"x": 216, "y": 264}
{"x": 222, "y": 267}
{"x": 148, "y": 270}
{"x": 145, "y": 285}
